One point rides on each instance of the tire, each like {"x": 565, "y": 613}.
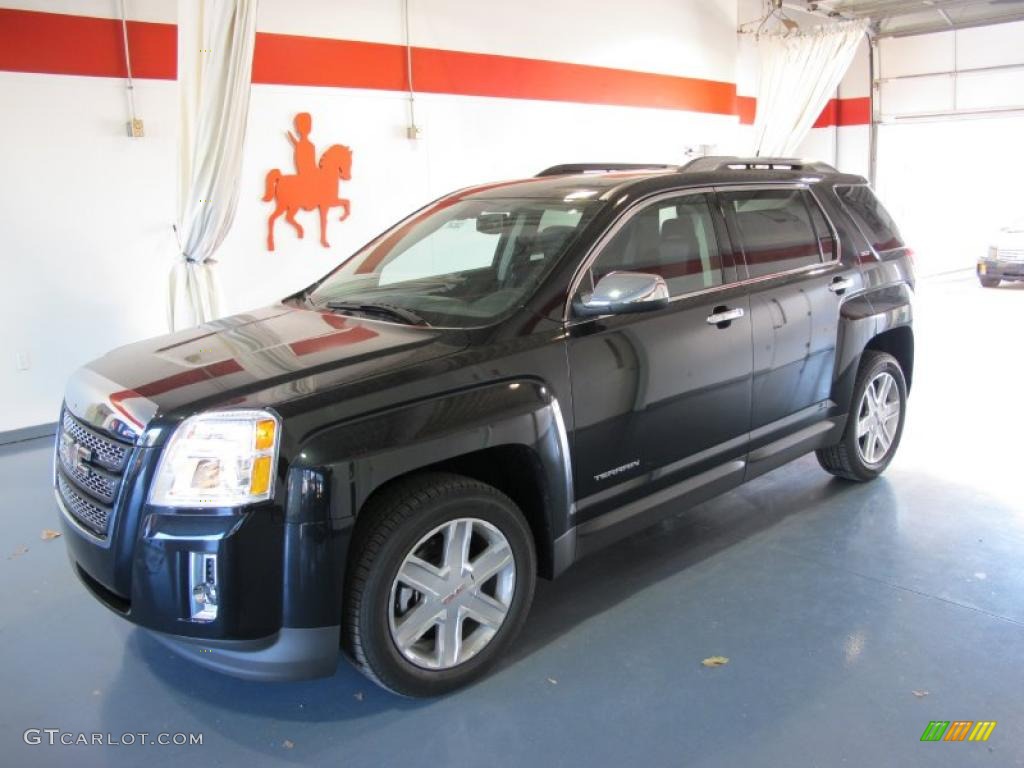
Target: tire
{"x": 425, "y": 514}
{"x": 989, "y": 282}
{"x": 852, "y": 458}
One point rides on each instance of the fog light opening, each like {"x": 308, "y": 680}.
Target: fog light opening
{"x": 203, "y": 592}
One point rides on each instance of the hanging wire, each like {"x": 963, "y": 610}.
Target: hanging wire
{"x": 128, "y": 67}
{"x": 413, "y": 128}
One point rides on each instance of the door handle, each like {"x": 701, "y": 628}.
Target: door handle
{"x": 840, "y": 284}
{"x": 722, "y": 316}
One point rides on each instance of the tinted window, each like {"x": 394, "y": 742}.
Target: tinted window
{"x": 775, "y": 229}
{"x": 455, "y": 247}
{"x": 674, "y": 238}
{"x": 871, "y": 217}
{"x": 460, "y": 262}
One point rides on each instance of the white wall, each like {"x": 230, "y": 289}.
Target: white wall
{"x": 87, "y": 212}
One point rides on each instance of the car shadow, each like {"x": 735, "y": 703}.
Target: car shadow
{"x": 603, "y": 579}
{"x": 591, "y": 587}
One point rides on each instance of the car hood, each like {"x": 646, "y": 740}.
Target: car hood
{"x": 1010, "y": 239}
{"x": 224, "y": 361}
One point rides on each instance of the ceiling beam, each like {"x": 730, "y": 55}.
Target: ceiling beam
{"x": 941, "y": 26}
{"x": 883, "y": 9}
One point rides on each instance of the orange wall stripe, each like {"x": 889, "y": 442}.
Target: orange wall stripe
{"x": 54, "y": 43}
{"x": 297, "y": 60}
{"x": 838, "y": 112}
{"x": 476, "y": 74}
{"x": 843, "y": 112}
{"x": 78, "y": 45}
{"x": 746, "y": 108}
{"x": 81, "y": 45}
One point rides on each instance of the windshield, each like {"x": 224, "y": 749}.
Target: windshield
{"x": 459, "y": 262}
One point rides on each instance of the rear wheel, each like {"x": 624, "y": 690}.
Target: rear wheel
{"x": 989, "y": 282}
{"x": 875, "y": 423}
{"x": 441, "y": 581}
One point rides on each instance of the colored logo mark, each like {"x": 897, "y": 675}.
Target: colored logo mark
{"x": 958, "y": 730}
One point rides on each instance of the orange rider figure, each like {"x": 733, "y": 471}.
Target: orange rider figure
{"x": 305, "y": 152}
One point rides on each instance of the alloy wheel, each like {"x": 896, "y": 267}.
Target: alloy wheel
{"x": 452, "y": 593}
{"x": 878, "y": 418}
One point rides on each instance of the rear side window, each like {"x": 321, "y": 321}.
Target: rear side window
{"x": 775, "y": 229}
{"x": 871, "y": 218}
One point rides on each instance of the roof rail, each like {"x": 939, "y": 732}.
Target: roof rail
{"x": 573, "y": 168}
{"x": 727, "y": 162}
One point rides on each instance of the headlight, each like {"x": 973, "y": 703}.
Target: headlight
{"x": 218, "y": 459}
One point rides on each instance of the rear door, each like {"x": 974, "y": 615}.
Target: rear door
{"x": 790, "y": 260}
{"x": 661, "y": 397}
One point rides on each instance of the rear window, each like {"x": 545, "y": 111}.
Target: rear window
{"x": 871, "y": 218}
{"x": 775, "y": 229}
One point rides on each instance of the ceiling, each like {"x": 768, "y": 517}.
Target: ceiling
{"x": 899, "y": 18}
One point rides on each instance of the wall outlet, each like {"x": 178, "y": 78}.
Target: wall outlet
{"x": 23, "y": 360}
{"x": 135, "y": 129}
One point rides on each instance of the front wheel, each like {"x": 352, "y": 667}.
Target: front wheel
{"x": 875, "y": 423}
{"x": 441, "y": 579}
{"x": 989, "y": 282}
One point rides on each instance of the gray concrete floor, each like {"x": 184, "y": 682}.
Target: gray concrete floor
{"x": 833, "y": 602}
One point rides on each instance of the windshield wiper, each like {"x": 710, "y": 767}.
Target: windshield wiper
{"x": 401, "y": 314}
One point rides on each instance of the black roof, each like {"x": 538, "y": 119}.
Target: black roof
{"x": 584, "y": 181}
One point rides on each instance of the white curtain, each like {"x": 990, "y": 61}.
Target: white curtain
{"x": 800, "y": 72}
{"x": 215, "y": 45}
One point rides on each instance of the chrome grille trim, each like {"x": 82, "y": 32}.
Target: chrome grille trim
{"x": 109, "y": 453}
{"x": 88, "y": 474}
{"x": 93, "y": 481}
{"x": 92, "y": 516}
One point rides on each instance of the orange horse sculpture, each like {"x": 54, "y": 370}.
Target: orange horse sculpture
{"x": 317, "y": 189}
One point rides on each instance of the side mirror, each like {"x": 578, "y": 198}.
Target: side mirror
{"x": 621, "y": 292}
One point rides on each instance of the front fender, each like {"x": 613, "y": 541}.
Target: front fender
{"x": 337, "y": 468}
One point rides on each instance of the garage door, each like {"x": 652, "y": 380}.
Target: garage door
{"x": 949, "y": 163}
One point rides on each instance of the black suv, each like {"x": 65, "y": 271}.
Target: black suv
{"x": 511, "y": 378}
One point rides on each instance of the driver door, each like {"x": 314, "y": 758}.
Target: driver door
{"x": 661, "y": 398}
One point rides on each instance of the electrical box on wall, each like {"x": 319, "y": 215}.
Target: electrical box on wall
{"x": 135, "y": 129}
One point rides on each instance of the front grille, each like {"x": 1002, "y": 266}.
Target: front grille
{"x": 90, "y": 467}
{"x": 98, "y": 483}
{"x": 108, "y": 453}
{"x": 92, "y": 516}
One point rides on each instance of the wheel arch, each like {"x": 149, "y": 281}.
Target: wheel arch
{"x": 509, "y": 434}
{"x": 881, "y": 319}
{"x": 514, "y": 469}
{"x": 898, "y": 342}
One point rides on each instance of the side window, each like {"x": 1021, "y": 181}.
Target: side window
{"x": 870, "y": 215}
{"x": 674, "y": 239}
{"x": 775, "y": 229}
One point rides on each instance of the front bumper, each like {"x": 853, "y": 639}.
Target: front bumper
{"x": 289, "y": 654}
{"x": 279, "y": 585}
{"x": 1002, "y": 269}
